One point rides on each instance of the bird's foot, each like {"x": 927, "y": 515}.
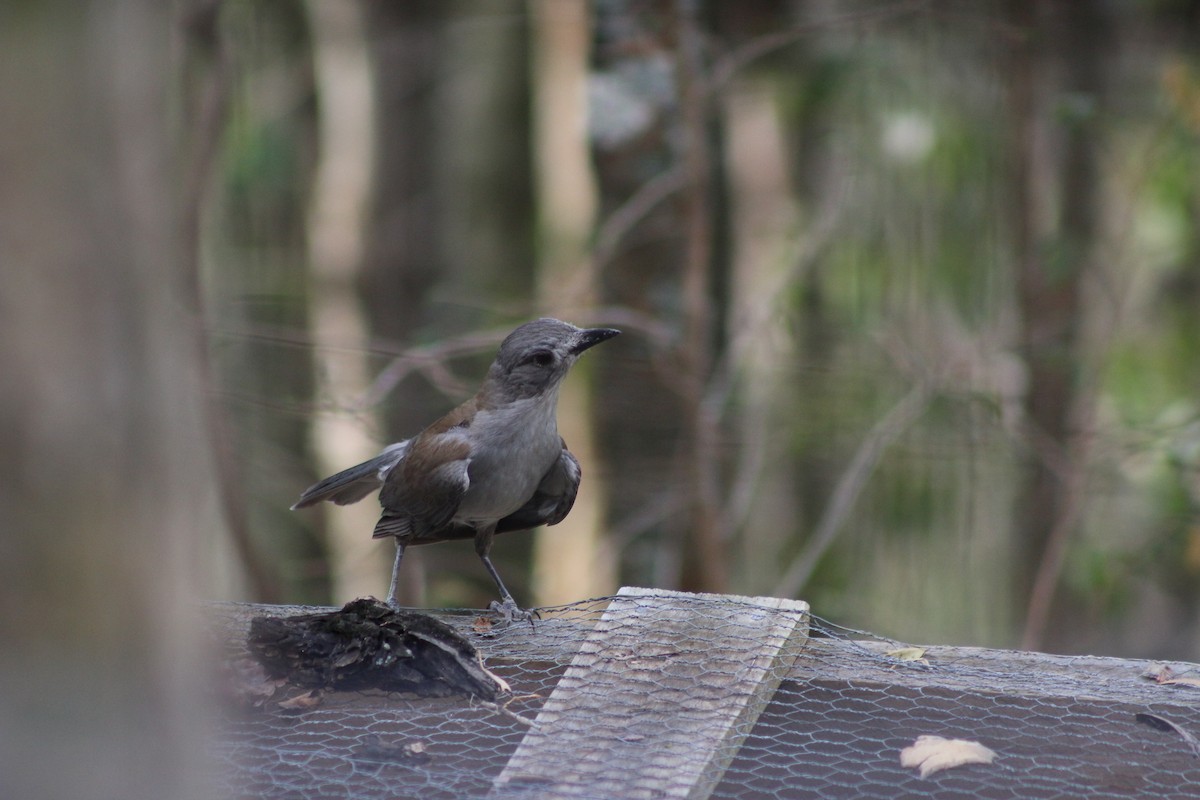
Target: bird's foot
{"x": 509, "y": 612}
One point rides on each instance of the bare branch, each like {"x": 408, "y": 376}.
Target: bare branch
{"x": 626, "y": 217}
{"x": 850, "y": 485}
{"x": 759, "y": 47}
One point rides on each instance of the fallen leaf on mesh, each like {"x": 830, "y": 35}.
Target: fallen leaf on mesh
{"x": 247, "y": 685}
{"x": 1164, "y": 724}
{"x": 303, "y": 702}
{"x": 1158, "y": 672}
{"x": 375, "y": 749}
{"x": 1165, "y": 676}
{"x": 482, "y": 625}
{"x": 908, "y": 654}
{"x": 935, "y": 753}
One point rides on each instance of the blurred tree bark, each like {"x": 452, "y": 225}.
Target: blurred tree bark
{"x": 107, "y": 488}
{"x": 485, "y": 171}
{"x": 705, "y": 302}
{"x": 1055, "y": 93}
{"x": 652, "y": 133}
{"x": 337, "y": 226}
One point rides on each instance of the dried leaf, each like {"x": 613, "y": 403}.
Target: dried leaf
{"x": 908, "y": 654}
{"x": 247, "y": 683}
{"x": 1164, "y": 724}
{"x": 375, "y": 749}
{"x": 303, "y": 702}
{"x": 1158, "y": 672}
{"x": 482, "y": 625}
{"x": 1163, "y": 674}
{"x": 935, "y": 753}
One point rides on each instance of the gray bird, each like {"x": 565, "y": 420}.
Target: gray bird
{"x": 494, "y": 464}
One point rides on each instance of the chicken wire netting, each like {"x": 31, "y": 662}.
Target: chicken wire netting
{"x": 846, "y": 704}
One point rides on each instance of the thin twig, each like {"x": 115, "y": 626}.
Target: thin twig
{"x": 759, "y": 47}
{"x": 661, "y": 508}
{"x": 505, "y": 710}
{"x": 1071, "y": 471}
{"x": 1045, "y": 582}
{"x": 628, "y": 215}
{"x": 898, "y": 420}
{"x": 419, "y": 358}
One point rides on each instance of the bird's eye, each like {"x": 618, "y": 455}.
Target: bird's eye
{"x": 543, "y": 358}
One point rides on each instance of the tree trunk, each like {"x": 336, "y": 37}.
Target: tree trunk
{"x": 657, "y": 170}
{"x": 1054, "y": 254}
{"x": 108, "y": 497}
{"x": 342, "y": 433}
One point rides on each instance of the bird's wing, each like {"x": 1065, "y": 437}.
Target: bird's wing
{"x": 422, "y": 494}
{"x": 553, "y": 499}
{"x": 353, "y": 484}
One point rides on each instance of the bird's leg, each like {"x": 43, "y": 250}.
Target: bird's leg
{"x": 391, "y": 598}
{"x": 507, "y": 607}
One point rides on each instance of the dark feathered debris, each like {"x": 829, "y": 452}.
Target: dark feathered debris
{"x": 367, "y": 645}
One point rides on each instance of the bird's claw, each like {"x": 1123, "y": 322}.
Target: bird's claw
{"x": 509, "y": 612}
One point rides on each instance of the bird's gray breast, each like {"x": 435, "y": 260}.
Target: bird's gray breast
{"x": 512, "y": 448}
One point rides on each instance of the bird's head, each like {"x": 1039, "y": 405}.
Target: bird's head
{"x": 535, "y": 357}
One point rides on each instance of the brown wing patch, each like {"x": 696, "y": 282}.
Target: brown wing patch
{"x": 423, "y": 493}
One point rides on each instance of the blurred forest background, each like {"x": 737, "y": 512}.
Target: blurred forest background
{"x": 909, "y": 290}
{"x": 910, "y": 294}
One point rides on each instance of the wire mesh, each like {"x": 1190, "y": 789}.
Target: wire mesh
{"x": 1060, "y": 726}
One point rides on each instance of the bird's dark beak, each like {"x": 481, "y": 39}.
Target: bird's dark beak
{"x": 590, "y": 338}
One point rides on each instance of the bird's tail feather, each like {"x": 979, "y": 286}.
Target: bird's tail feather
{"x": 353, "y": 484}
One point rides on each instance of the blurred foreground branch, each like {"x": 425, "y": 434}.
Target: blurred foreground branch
{"x": 108, "y": 497}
